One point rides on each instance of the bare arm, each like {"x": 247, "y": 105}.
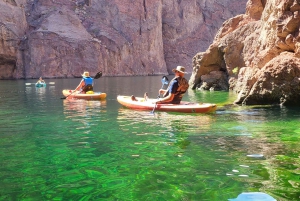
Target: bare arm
{"x": 81, "y": 84}
{"x": 166, "y": 99}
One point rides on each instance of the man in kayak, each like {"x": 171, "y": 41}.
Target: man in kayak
{"x": 177, "y": 88}
{"x": 86, "y": 84}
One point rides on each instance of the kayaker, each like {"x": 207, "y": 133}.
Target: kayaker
{"x": 40, "y": 81}
{"x": 86, "y": 84}
{"x": 177, "y": 88}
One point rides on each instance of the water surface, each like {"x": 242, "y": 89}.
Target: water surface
{"x": 61, "y": 149}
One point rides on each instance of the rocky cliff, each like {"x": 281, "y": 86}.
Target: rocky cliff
{"x": 256, "y": 54}
{"x": 62, "y": 38}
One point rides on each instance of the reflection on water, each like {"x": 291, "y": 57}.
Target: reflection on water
{"x": 79, "y": 107}
{"x": 173, "y": 129}
{"x": 170, "y": 122}
{"x": 220, "y": 97}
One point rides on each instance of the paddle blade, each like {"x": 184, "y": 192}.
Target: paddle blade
{"x": 51, "y": 82}
{"x": 29, "y": 83}
{"x": 164, "y": 80}
{"x": 98, "y": 75}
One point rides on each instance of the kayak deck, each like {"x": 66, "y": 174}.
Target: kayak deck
{"x": 40, "y": 84}
{"x": 92, "y": 96}
{"x": 184, "y": 106}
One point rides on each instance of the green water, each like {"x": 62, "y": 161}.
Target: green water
{"x": 56, "y": 149}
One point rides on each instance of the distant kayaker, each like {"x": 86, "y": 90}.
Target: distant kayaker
{"x": 86, "y": 84}
{"x": 177, "y": 88}
{"x": 40, "y": 81}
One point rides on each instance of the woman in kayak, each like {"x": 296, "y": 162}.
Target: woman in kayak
{"x": 86, "y": 84}
{"x": 40, "y": 81}
{"x": 177, "y": 88}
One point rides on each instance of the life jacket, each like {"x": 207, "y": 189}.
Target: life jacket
{"x": 183, "y": 86}
{"x": 88, "y": 84}
{"x": 88, "y": 81}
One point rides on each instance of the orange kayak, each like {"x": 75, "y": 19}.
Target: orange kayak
{"x": 88, "y": 96}
{"x": 184, "y": 106}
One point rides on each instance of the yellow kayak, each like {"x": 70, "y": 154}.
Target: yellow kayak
{"x": 87, "y": 96}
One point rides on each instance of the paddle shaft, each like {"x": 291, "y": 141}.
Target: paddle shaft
{"x": 152, "y": 112}
{"x": 68, "y": 95}
{"x": 164, "y": 81}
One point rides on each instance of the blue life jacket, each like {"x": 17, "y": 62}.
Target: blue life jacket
{"x": 88, "y": 81}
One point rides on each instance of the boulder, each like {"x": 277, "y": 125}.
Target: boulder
{"x": 259, "y": 54}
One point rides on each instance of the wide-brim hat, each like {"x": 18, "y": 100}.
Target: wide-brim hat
{"x": 86, "y": 74}
{"x": 180, "y": 69}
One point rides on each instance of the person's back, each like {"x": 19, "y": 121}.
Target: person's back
{"x": 177, "y": 88}
{"x": 88, "y": 84}
{"x": 180, "y": 86}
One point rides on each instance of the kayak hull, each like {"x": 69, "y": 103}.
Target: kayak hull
{"x": 40, "y": 84}
{"x": 183, "y": 107}
{"x": 95, "y": 96}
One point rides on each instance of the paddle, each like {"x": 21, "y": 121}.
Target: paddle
{"x": 98, "y": 75}
{"x": 164, "y": 81}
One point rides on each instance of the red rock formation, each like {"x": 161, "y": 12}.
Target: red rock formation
{"x": 257, "y": 53}
{"x": 111, "y": 36}
{"x": 12, "y": 30}
{"x": 190, "y": 26}
{"x": 62, "y": 38}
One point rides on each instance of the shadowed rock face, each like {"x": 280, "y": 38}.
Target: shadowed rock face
{"x": 190, "y": 27}
{"x": 257, "y": 54}
{"x": 63, "y": 38}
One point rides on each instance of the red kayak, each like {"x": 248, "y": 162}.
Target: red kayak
{"x": 184, "y": 106}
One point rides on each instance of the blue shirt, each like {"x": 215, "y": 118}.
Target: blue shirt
{"x": 173, "y": 89}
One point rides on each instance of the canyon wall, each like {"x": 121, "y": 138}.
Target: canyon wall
{"x": 62, "y": 38}
{"x": 255, "y": 54}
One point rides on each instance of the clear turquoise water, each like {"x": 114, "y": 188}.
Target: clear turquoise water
{"x": 56, "y": 149}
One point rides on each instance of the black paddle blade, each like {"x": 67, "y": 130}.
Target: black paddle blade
{"x": 98, "y": 75}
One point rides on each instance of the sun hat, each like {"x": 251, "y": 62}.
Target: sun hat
{"x": 180, "y": 69}
{"x": 86, "y": 74}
